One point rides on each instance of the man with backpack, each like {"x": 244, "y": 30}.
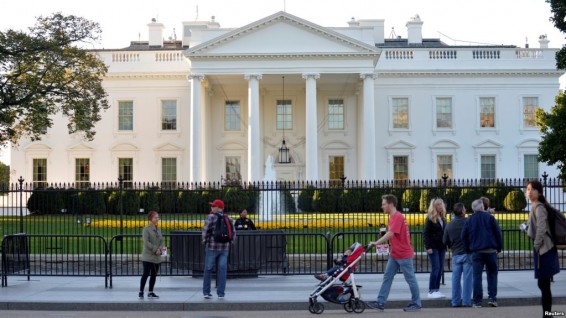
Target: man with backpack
{"x": 217, "y": 235}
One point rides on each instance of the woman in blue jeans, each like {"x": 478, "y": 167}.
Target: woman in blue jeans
{"x": 433, "y": 232}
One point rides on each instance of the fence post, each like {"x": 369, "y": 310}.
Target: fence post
{"x": 121, "y": 183}
{"x": 544, "y": 177}
{"x": 343, "y": 178}
{"x": 21, "y": 181}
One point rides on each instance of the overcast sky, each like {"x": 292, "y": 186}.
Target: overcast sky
{"x": 456, "y": 22}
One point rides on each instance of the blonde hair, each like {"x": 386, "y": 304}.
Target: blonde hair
{"x": 433, "y": 214}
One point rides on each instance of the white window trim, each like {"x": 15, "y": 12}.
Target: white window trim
{"x": 409, "y": 128}
{"x": 177, "y": 113}
{"x": 36, "y": 150}
{"x": 242, "y": 122}
{"x": 435, "y": 129}
{"x": 399, "y": 148}
{"x": 293, "y": 115}
{"x": 522, "y": 128}
{"x": 117, "y": 131}
{"x": 444, "y": 148}
{"x": 480, "y": 129}
{"x": 527, "y": 147}
{"x": 238, "y": 154}
{"x": 327, "y": 113}
{"x": 177, "y": 166}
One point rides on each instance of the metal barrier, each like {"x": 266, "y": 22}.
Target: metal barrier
{"x": 54, "y": 255}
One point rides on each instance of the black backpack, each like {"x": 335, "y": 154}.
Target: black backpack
{"x": 557, "y": 227}
{"x": 223, "y": 231}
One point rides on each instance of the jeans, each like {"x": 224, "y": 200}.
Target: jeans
{"x": 391, "y": 269}
{"x": 436, "y": 259}
{"x": 220, "y": 259}
{"x": 489, "y": 260}
{"x": 462, "y": 264}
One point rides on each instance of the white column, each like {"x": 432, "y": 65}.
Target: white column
{"x": 367, "y": 152}
{"x": 195, "y": 147}
{"x": 311, "y": 159}
{"x": 254, "y": 137}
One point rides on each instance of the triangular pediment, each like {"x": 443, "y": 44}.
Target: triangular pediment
{"x": 168, "y": 147}
{"x": 282, "y": 34}
{"x": 126, "y": 146}
{"x": 37, "y": 146}
{"x": 231, "y": 145}
{"x": 401, "y": 144}
{"x": 80, "y": 147}
{"x": 488, "y": 144}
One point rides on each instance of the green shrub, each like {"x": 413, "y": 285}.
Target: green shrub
{"x": 354, "y": 199}
{"x": 468, "y": 195}
{"x": 149, "y": 200}
{"x": 452, "y": 196}
{"x": 128, "y": 203}
{"x": 91, "y": 202}
{"x": 411, "y": 199}
{"x": 169, "y": 201}
{"x": 46, "y": 201}
{"x": 327, "y": 200}
{"x": 427, "y": 195}
{"x": 497, "y": 195}
{"x": 305, "y": 201}
{"x": 372, "y": 199}
{"x": 515, "y": 201}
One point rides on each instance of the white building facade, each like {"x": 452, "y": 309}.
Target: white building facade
{"x": 346, "y": 101}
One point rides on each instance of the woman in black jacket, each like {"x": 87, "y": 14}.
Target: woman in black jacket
{"x": 433, "y": 232}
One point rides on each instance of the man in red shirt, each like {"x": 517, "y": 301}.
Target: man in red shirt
{"x": 401, "y": 256}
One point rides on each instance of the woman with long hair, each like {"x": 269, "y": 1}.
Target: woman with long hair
{"x": 151, "y": 254}
{"x": 545, "y": 253}
{"x": 436, "y": 250}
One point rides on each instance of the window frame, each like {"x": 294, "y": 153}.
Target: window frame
{"x": 343, "y": 122}
{"x": 238, "y": 115}
{"x": 391, "y": 114}
{"x": 481, "y": 156}
{"x": 284, "y": 114}
{"x": 169, "y": 183}
{"x": 496, "y": 125}
{"x": 118, "y": 116}
{"x": 128, "y": 183}
{"x": 176, "y": 129}
{"x": 82, "y": 184}
{"x": 330, "y": 156}
{"x": 435, "y": 127}
{"x": 522, "y": 114}
{"x": 39, "y": 183}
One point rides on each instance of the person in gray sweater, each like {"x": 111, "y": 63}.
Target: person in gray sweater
{"x": 151, "y": 255}
{"x": 461, "y": 261}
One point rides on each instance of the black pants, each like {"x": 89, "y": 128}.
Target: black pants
{"x": 149, "y": 270}
{"x": 546, "y": 299}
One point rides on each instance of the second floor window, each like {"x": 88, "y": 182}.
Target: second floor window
{"x": 400, "y": 113}
{"x": 444, "y": 112}
{"x": 168, "y": 115}
{"x": 126, "y": 115}
{"x": 336, "y": 114}
{"x": 530, "y": 105}
{"x": 487, "y": 112}
{"x": 284, "y": 114}
{"x": 232, "y": 115}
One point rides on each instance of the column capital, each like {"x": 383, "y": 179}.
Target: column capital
{"x": 196, "y": 76}
{"x": 311, "y": 75}
{"x": 368, "y": 75}
{"x": 255, "y": 76}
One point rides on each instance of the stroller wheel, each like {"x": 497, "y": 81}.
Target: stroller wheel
{"x": 318, "y": 308}
{"x": 358, "y": 306}
{"x": 348, "y": 306}
{"x": 311, "y": 309}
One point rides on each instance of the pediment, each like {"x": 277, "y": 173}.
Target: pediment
{"x": 124, "y": 147}
{"x": 488, "y": 144}
{"x": 80, "y": 147}
{"x": 168, "y": 147}
{"x": 401, "y": 144}
{"x": 336, "y": 145}
{"x": 281, "y": 34}
{"x": 232, "y": 146}
{"x": 529, "y": 143}
{"x": 445, "y": 144}
{"x": 37, "y": 146}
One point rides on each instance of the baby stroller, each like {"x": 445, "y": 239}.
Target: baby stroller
{"x": 340, "y": 287}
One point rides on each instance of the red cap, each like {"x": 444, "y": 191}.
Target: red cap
{"x": 217, "y": 203}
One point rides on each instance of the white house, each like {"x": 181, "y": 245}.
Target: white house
{"x": 347, "y": 101}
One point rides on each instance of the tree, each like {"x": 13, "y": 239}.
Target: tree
{"x": 558, "y": 9}
{"x": 44, "y": 72}
{"x": 4, "y": 175}
{"x": 552, "y": 148}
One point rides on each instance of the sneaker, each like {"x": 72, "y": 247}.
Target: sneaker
{"x": 220, "y": 297}
{"x": 476, "y": 305}
{"x": 209, "y": 296}
{"x": 492, "y": 303}
{"x": 435, "y": 295}
{"x": 375, "y": 305}
{"x": 152, "y": 295}
{"x": 321, "y": 277}
{"x": 140, "y": 295}
{"x": 412, "y": 307}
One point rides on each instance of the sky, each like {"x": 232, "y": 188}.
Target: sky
{"x": 456, "y": 22}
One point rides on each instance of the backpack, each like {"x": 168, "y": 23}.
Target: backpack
{"x": 557, "y": 227}
{"x": 223, "y": 231}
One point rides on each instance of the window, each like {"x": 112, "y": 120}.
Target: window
{"x": 400, "y": 113}
{"x": 336, "y": 114}
{"x": 336, "y": 168}
{"x": 82, "y": 172}
{"x": 168, "y": 115}
{"x": 284, "y": 114}
{"x": 126, "y": 115}
{"x": 126, "y": 171}
{"x": 487, "y": 112}
{"x": 40, "y": 173}
{"x": 531, "y": 166}
{"x": 444, "y": 166}
{"x": 232, "y": 115}
{"x": 400, "y": 168}
{"x": 530, "y": 104}
{"x": 168, "y": 172}
{"x": 443, "y": 112}
{"x": 487, "y": 167}
{"x": 233, "y": 173}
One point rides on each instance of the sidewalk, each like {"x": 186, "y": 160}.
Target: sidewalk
{"x": 517, "y": 288}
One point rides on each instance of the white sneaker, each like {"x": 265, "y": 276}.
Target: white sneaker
{"x": 436, "y": 295}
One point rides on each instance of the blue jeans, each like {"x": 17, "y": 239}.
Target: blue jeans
{"x": 436, "y": 260}
{"x": 462, "y": 264}
{"x": 489, "y": 260}
{"x": 220, "y": 259}
{"x": 391, "y": 269}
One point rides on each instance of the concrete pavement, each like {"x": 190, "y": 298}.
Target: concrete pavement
{"x": 516, "y": 288}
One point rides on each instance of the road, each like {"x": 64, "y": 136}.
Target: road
{"x": 501, "y": 312}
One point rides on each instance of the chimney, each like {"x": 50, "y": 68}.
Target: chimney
{"x": 415, "y": 30}
{"x": 155, "y": 33}
{"x": 353, "y": 23}
{"x": 213, "y": 24}
{"x": 543, "y": 41}
{"x": 378, "y": 29}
